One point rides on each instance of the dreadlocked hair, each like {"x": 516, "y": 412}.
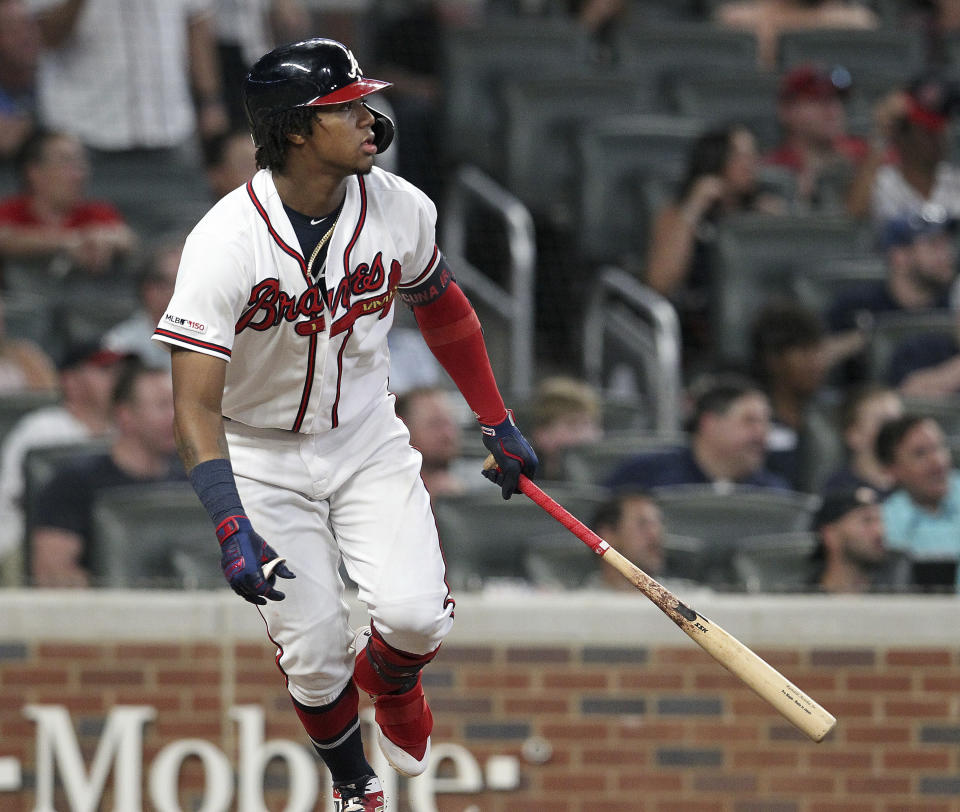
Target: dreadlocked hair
{"x": 272, "y": 132}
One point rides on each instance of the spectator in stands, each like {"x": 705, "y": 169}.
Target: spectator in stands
{"x": 791, "y": 361}
{"x": 24, "y": 366}
{"x": 229, "y": 160}
{"x": 938, "y": 19}
{"x": 927, "y": 365}
{"x": 729, "y": 429}
{"x": 864, "y": 410}
{"x": 157, "y": 279}
{"x": 632, "y": 523}
{"x": 52, "y": 219}
{"x": 851, "y": 555}
{"x": 87, "y": 377}
{"x": 601, "y": 19}
{"x": 566, "y": 412}
{"x": 434, "y": 431}
{"x": 767, "y": 19}
{"x": 142, "y": 452}
{"x": 922, "y": 515}
{"x": 19, "y": 55}
{"x": 921, "y": 267}
{"x": 914, "y": 124}
{"x": 405, "y": 49}
{"x": 244, "y": 31}
{"x": 815, "y": 144}
{"x": 131, "y": 80}
{"x": 934, "y": 20}
{"x": 720, "y": 180}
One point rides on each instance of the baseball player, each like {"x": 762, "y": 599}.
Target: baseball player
{"x": 278, "y": 328}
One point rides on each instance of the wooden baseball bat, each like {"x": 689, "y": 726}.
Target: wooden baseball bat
{"x": 768, "y": 683}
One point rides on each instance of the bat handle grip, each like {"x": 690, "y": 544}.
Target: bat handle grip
{"x": 567, "y": 519}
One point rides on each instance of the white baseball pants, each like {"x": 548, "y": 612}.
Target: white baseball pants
{"x": 354, "y": 492}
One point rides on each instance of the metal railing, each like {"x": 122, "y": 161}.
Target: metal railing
{"x": 646, "y": 328}
{"x": 512, "y": 304}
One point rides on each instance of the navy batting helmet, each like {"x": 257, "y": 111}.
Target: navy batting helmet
{"x": 310, "y": 73}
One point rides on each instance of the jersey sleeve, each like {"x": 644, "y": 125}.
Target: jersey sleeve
{"x": 425, "y": 256}
{"x": 211, "y": 291}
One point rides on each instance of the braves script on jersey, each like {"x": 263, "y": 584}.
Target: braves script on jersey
{"x": 299, "y": 361}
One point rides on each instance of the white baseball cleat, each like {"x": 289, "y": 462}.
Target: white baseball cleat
{"x": 362, "y": 795}
{"x": 401, "y": 760}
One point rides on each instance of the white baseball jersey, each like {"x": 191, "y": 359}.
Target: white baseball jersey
{"x": 244, "y": 294}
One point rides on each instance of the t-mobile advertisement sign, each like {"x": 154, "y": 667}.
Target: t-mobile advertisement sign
{"x": 137, "y": 786}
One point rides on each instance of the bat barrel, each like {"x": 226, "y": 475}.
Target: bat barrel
{"x": 768, "y": 683}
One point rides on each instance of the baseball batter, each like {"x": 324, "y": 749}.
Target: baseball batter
{"x": 278, "y": 328}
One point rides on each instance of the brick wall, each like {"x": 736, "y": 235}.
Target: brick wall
{"x": 656, "y": 726}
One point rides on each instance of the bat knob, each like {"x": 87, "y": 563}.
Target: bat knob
{"x": 270, "y": 566}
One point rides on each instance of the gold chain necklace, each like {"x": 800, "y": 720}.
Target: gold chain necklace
{"x": 323, "y": 242}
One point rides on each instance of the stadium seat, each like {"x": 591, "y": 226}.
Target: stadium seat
{"x": 40, "y": 465}
{"x": 475, "y": 63}
{"x": 953, "y": 441}
{"x": 820, "y": 446}
{"x": 29, "y": 316}
{"x": 553, "y": 564}
{"x": 14, "y": 406}
{"x": 819, "y": 286}
{"x": 890, "y": 329}
{"x": 644, "y": 202}
{"x": 655, "y": 52}
{"x": 542, "y": 119}
{"x": 776, "y": 562}
{"x": 640, "y": 13}
{"x": 9, "y": 183}
{"x": 896, "y": 54}
{"x": 617, "y": 156}
{"x": 88, "y": 313}
{"x": 623, "y": 415}
{"x": 154, "y": 198}
{"x": 592, "y": 463}
{"x": 486, "y": 540}
{"x": 153, "y": 536}
{"x": 716, "y": 97}
{"x": 721, "y": 516}
{"x": 945, "y": 410}
{"x": 756, "y": 256}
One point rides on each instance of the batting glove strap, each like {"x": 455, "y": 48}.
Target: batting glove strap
{"x": 232, "y": 525}
{"x": 512, "y": 452}
{"x": 242, "y": 555}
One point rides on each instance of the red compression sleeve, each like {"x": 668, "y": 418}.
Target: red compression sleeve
{"x": 452, "y": 331}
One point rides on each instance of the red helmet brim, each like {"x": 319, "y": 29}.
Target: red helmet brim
{"x": 355, "y": 90}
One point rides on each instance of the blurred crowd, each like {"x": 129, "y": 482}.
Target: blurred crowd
{"x": 814, "y": 443}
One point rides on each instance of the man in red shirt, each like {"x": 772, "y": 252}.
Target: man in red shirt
{"x": 815, "y": 144}
{"x": 51, "y": 219}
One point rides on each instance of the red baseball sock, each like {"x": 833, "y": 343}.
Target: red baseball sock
{"x": 334, "y": 730}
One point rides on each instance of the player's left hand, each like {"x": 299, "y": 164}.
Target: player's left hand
{"x": 513, "y": 454}
{"x": 243, "y": 552}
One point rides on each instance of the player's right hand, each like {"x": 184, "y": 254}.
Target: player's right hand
{"x": 242, "y": 555}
